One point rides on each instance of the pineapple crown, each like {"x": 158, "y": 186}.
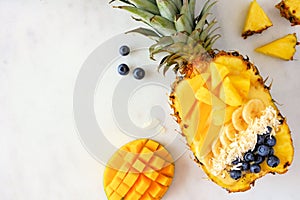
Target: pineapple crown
{"x": 175, "y": 28}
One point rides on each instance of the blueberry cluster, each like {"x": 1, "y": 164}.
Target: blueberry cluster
{"x": 123, "y": 68}
{"x": 252, "y": 159}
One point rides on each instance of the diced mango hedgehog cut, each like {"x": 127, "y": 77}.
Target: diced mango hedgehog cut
{"x": 257, "y": 20}
{"x": 290, "y": 9}
{"x": 141, "y": 169}
{"x": 283, "y": 48}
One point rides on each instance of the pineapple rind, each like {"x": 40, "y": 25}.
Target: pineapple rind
{"x": 289, "y": 12}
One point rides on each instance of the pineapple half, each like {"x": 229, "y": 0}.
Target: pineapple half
{"x": 219, "y": 99}
{"x": 290, "y": 9}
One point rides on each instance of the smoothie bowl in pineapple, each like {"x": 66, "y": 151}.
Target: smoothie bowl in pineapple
{"x": 219, "y": 101}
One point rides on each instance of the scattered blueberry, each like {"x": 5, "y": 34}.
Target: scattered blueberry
{"x": 124, "y": 50}
{"x": 139, "y": 73}
{"x": 270, "y": 141}
{"x": 245, "y": 166}
{"x": 235, "y": 174}
{"x": 271, "y": 152}
{"x": 259, "y": 159}
{"x": 273, "y": 161}
{"x": 249, "y": 156}
{"x": 123, "y": 69}
{"x": 255, "y": 168}
{"x": 263, "y": 150}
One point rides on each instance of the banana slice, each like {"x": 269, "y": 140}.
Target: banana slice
{"x": 224, "y": 139}
{"x": 216, "y": 148}
{"x": 230, "y": 132}
{"x": 237, "y": 120}
{"x": 252, "y": 109}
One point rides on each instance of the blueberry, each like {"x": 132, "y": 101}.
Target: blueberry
{"x": 273, "y": 161}
{"x": 255, "y": 168}
{"x": 270, "y": 141}
{"x": 263, "y": 150}
{"x": 271, "y": 152}
{"x": 138, "y": 73}
{"x": 236, "y": 161}
{"x": 123, "y": 69}
{"x": 235, "y": 174}
{"x": 124, "y": 50}
{"x": 245, "y": 166}
{"x": 269, "y": 130}
{"x": 260, "y": 139}
{"x": 259, "y": 159}
{"x": 249, "y": 156}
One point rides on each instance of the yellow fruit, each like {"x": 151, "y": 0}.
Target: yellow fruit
{"x": 257, "y": 20}
{"x": 218, "y": 73}
{"x": 283, "y": 48}
{"x": 252, "y": 109}
{"x": 229, "y": 94}
{"x": 290, "y": 9}
{"x": 237, "y": 120}
{"x": 204, "y": 107}
{"x": 141, "y": 169}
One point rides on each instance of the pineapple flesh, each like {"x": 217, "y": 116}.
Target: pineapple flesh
{"x": 219, "y": 99}
{"x": 283, "y": 48}
{"x": 257, "y": 20}
{"x": 290, "y": 9}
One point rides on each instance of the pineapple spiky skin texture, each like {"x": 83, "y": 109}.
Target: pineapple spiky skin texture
{"x": 283, "y": 48}
{"x": 290, "y": 9}
{"x": 257, "y": 20}
{"x": 213, "y": 88}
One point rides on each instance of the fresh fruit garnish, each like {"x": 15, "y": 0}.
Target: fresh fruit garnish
{"x": 290, "y": 9}
{"x": 123, "y": 69}
{"x": 273, "y": 161}
{"x": 263, "y": 150}
{"x": 255, "y": 168}
{"x": 235, "y": 174}
{"x": 257, "y": 20}
{"x": 283, "y": 48}
{"x": 141, "y": 169}
{"x": 124, "y": 50}
{"x": 138, "y": 73}
{"x": 211, "y": 85}
{"x": 271, "y": 141}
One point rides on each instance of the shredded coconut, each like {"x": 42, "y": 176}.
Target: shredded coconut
{"x": 246, "y": 140}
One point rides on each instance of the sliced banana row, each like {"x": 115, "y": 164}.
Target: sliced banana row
{"x": 241, "y": 118}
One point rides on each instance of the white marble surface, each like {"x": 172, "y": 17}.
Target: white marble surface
{"x": 43, "y": 44}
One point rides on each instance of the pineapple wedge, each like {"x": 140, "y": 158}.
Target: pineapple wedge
{"x": 290, "y": 9}
{"x": 283, "y": 48}
{"x": 257, "y": 20}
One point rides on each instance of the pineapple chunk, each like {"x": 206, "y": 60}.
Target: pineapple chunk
{"x": 218, "y": 73}
{"x": 242, "y": 82}
{"x": 229, "y": 94}
{"x": 257, "y": 20}
{"x": 205, "y": 96}
{"x": 290, "y": 9}
{"x": 145, "y": 177}
{"x": 283, "y": 48}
